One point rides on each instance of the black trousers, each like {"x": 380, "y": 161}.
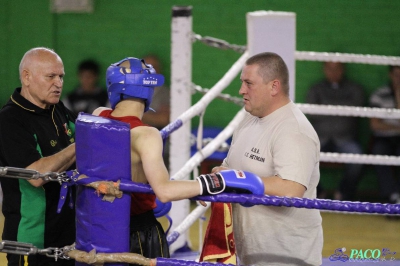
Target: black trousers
{"x": 148, "y": 237}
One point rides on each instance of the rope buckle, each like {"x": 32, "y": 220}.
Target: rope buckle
{"x": 26, "y": 249}
{"x": 28, "y": 174}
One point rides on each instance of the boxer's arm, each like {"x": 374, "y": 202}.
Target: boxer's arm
{"x": 147, "y": 142}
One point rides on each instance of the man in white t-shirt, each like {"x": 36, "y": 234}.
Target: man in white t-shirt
{"x": 276, "y": 142}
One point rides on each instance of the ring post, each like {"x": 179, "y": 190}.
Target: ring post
{"x": 269, "y": 31}
{"x": 181, "y": 79}
{"x": 102, "y": 151}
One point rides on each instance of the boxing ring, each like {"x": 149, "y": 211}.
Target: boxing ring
{"x": 107, "y": 243}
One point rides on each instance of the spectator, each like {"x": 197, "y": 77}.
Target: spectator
{"x": 88, "y": 95}
{"x": 338, "y": 133}
{"x": 37, "y": 132}
{"x": 160, "y": 104}
{"x": 161, "y": 99}
{"x": 386, "y": 135}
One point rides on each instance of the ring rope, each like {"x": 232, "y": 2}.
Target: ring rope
{"x": 199, "y": 107}
{"x": 322, "y": 204}
{"x": 250, "y": 199}
{"x": 348, "y": 58}
{"x": 187, "y": 223}
{"x": 309, "y": 55}
{"x": 320, "y": 109}
{"x": 176, "y": 262}
{"x": 211, "y": 147}
{"x": 340, "y": 110}
{"x": 359, "y": 158}
{"x": 100, "y": 258}
{"x": 358, "y": 213}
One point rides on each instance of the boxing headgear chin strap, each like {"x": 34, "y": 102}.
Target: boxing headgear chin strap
{"x": 136, "y": 81}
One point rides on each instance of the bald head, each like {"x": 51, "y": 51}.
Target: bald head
{"x": 41, "y": 73}
{"x": 35, "y": 56}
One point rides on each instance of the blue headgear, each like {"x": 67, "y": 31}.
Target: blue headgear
{"x": 137, "y": 81}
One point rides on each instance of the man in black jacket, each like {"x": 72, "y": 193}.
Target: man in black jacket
{"x": 37, "y": 132}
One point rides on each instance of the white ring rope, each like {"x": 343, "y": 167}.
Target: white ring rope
{"x": 320, "y": 109}
{"x": 340, "y": 110}
{"x": 211, "y": 147}
{"x": 348, "y": 58}
{"x": 359, "y": 158}
{"x": 309, "y": 55}
{"x": 191, "y": 219}
{"x": 200, "y": 106}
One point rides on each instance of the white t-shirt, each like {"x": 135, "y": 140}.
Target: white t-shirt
{"x": 284, "y": 144}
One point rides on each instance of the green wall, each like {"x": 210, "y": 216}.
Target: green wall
{"x": 121, "y": 28}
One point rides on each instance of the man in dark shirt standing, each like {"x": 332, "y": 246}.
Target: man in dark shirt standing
{"x": 88, "y": 95}
{"x": 338, "y": 133}
{"x": 37, "y": 132}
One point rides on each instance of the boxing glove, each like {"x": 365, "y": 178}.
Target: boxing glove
{"x": 234, "y": 181}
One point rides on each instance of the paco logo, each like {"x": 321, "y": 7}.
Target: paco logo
{"x": 356, "y": 255}
{"x": 339, "y": 255}
{"x": 367, "y": 254}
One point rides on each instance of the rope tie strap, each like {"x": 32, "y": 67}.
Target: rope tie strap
{"x": 218, "y": 43}
{"x": 100, "y": 258}
{"x": 109, "y": 189}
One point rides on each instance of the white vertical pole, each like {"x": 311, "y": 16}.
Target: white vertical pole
{"x": 269, "y": 31}
{"x": 181, "y": 79}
